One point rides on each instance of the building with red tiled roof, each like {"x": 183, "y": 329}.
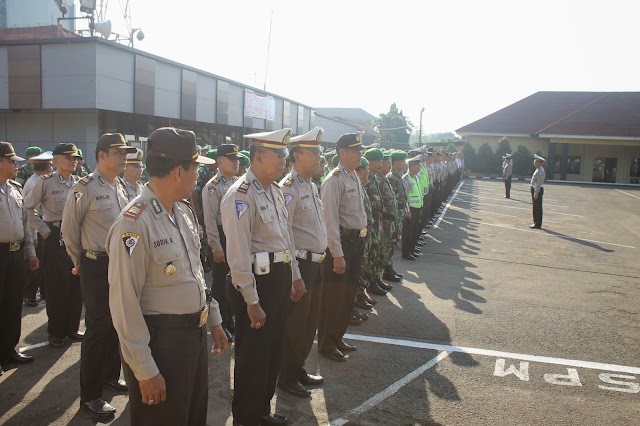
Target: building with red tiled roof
{"x": 587, "y": 136}
{"x": 35, "y": 33}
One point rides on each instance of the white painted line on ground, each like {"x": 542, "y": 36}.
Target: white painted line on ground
{"x": 561, "y": 236}
{"x": 520, "y": 208}
{"x": 395, "y": 387}
{"x": 630, "y": 195}
{"x": 457, "y": 209}
{"x": 37, "y": 345}
{"x": 497, "y": 354}
{"x": 453, "y": 197}
{"x": 468, "y": 194}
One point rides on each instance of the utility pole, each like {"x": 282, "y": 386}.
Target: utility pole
{"x": 420, "y": 135}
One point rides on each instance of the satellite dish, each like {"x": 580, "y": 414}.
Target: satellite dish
{"x": 140, "y": 35}
{"x": 103, "y": 28}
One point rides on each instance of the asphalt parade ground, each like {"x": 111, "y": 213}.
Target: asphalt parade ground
{"x": 495, "y": 324}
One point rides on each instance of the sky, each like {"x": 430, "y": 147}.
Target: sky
{"x": 459, "y": 59}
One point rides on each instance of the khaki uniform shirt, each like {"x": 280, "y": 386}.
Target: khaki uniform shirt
{"x": 306, "y": 215}
{"x": 154, "y": 268}
{"x": 50, "y": 191}
{"x": 132, "y": 191}
{"x": 89, "y": 212}
{"x": 13, "y": 217}
{"x": 342, "y": 198}
{"x": 212, "y": 195}
{"x": 255, "y": 220}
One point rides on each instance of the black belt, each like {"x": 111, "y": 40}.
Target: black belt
{"x": 13, "y": 247}
{"x": 94, "y": 255}
{"x": 54, "y": 224}
{"x": 173, "y": 321}
{"x": 351, "y": 233}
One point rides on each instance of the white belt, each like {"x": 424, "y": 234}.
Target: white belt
{"x": 279, "y": 257}
{"x": 315, "y": 257}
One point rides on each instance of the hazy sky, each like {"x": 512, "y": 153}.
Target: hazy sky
{"x": 459, "y": 59}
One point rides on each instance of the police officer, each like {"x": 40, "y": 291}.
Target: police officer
{"x": 309, "y": 234}
{"x": 26, "y": 170}
{"x": 228, "y": 159}
{"x": 90, "y": 210}
{"x": 342, "y": 197}
{"x": 259, "y": 253}
{"x": 507, "y": 171}
{"x": 157, "y": 294}
{"x": 36, "y": 278}
{"x": 64, "y": 297}
{"x": 411, "y": 226}
{"x": 132, "y": 174}
{"x": 16, "y": 242}
{"x": 537, "y": 191}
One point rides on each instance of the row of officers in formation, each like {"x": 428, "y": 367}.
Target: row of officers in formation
{"x": 294, "y": 246}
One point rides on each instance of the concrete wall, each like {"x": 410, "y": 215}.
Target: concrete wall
{"x": 333, "y": 129}
{"x": 531, "y": 144}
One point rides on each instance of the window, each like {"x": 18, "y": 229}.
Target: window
{"x": 634, "y": 172}
{"x": 605, "y": 169}
{"x": 574, "y": 165}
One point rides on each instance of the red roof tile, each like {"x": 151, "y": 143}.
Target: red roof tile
{"x": 35, "y": 33}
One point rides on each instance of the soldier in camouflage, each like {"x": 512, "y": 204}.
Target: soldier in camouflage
{"x": 398, "y": 163}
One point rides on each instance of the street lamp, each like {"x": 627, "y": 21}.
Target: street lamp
{"x": 420, "y": 135}
{"x": 140, "y": 35}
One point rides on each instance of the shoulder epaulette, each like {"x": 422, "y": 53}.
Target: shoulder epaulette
{"x": 47, "y": 176}
{"x": 244, "y": 187}
{"x": 288, "y": 182}
{"x": 216, "y": 180}
{"x": 134, "y": 212}
{"x": 188, "y": 204}
{"x": 336, "y": 172}
{"x": 85, "y": 180}
{"x": 15, "y": 183}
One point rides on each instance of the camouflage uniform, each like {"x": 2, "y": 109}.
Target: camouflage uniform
{"x": 371, "y": 270}
{"x": 395, "y": 180}
{"x": 24, "y": 173}
{"x": 387, "y": 222}
{"x": 362, "y": 283}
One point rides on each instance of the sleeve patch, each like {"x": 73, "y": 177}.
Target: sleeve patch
{"x": 287, "y": 198}
{"x": 130, "y": 241}
{"x": 288, "y": 182}
{"x": 211, "y": 189}
{"x": 241, "y": 208}
{"x": 77, "y": 194}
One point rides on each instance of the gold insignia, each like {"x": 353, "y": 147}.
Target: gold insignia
{"x": 135, "y": 210}
{"x": 287, "y": 137}
{"x": 170, "y": 269}
{"x": 358, "y": 138}
{"x": 319, "y": 137}
{"x": 216, "y": 180}
{"x": 244, "y": 187}
{"x": 288, "y": 182}
{"x": 85, "y": 180}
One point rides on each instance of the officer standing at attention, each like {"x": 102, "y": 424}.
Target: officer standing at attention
{"x": 132, "y": 174}
{"x": 64, "y": 297}
{"x": 309, "y": 234}
{"x": 94, "y": 204}
{"x": 537, "y": 191}
{"x": 342, "y": 197}
{"x": 411, "y": 226}
{"x": 228, "y": 159}
{"x": 157, "y": 294}
{"x": 259, "y": 253}
{"x": 507, "y": 170}
{"x": 398, "y": 163}
{"x": 26, "y": 170}
{"x": 16, "y": 242}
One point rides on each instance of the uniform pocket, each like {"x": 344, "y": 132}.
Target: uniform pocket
{"x": 266, "y": 216}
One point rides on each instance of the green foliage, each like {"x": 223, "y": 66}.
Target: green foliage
{"x": 504, "y": 147}
{"x": 451, "y": 147}
{"x": 470, "y": 157}
{"x": 487, "y": 160}
{"x": 522, "y": 161}
{"x": 394, "y": 129}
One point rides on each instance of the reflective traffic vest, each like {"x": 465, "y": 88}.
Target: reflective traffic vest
{"x": 424, "y": 178}
{"x": 415, "y": 192}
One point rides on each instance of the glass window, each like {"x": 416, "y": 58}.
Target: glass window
{"x": 634, "y": 172}
{"x": 604, "y": 169}
{"x": 574, "y": 165}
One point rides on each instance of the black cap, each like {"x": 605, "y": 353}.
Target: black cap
{"x": 66, "y": 149}
{"x": 113, "y": 140}
{"x": 350, "y": 141}
{"x": 229, "y": 151}
{"x": 7, "y": 151}
{"x": 169, "y": 142}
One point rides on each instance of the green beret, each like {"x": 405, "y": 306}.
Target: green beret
{"x": 398, "y": 155}
{"x": 244, "y": 160}
{"x": 245, "y": 153}
{"x": 80, "y": 152}
{"x": 386, "y": 155}
{"x": 33, "y": 150}
{"x": 363, "y": 163}
{"x": 373, "y": 154}
{"x": 212, "y": 153}
{"x": 335, "y": 161}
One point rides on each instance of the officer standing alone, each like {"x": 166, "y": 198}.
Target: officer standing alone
{"x": 259, "y": 252}
{"x": 157, "y": 294}
{"x": 16, "y": 242}
{"x": 507, "y": 171}
{"x": 90, "y": 210}
{"x": 537, "y": 191}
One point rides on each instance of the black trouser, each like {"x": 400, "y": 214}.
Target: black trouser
{"x": 426, "y": 210}
{"x": 258, "y": 352}
{"x": 339, "y": 292}
{"x": 99, "y": 356}
{"x": 64, "y": 296}
{"x": 179, "y": 349}
{"x": 537, "y": 207}
{"x": 36, "y": 279}
{"x": 302, "y": 323}
{"x": 12, "y": 266}
{"x": 410, "y": 231}
{"x": 220, "y": 271}
{"x": 507, "y": 186}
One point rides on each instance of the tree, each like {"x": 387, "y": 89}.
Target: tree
{"x": 487, "y": 159}
{"x": 394, "y": 129}
{"x": 470, "y": 157}
{"x": 504, "y": 147}
{"x": 522, "y": 161}
{"x": 451, "y": 147}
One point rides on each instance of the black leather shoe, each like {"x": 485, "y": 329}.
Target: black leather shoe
{"x": 56, "y": 342}
{"x": 362, "y": 303}
{"x": 78, "y": 336}
{"x": 99, "y": 407}
{"x": 117, "y": 385}
{"x": 1, "y": 370}
{"x": 409, "y": 257}
{"x": 346, "y": 347}
{"x": 397, "y": 273}
{"x": 385, "y": 286}
{"x": 417, "y": 249}
{"x": 296, "y": 389}
{"x": 362, "y": 315}
{"x": 375, "y": 289}
{"x": 533, "y": 226}
{"x": 33, "y": 303}
{"x": 416, "y": 254}
{"x": 335, "y": 355}
{"x": 273, "y": 419}
{"x": 369, "y": 300}
{"x": 354, "y": 320}
{"x": 311, "y": 380}
{"x": 390, "y": 277}
{"x": 420, "y": 243}
{"x": 18, "y": 358}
